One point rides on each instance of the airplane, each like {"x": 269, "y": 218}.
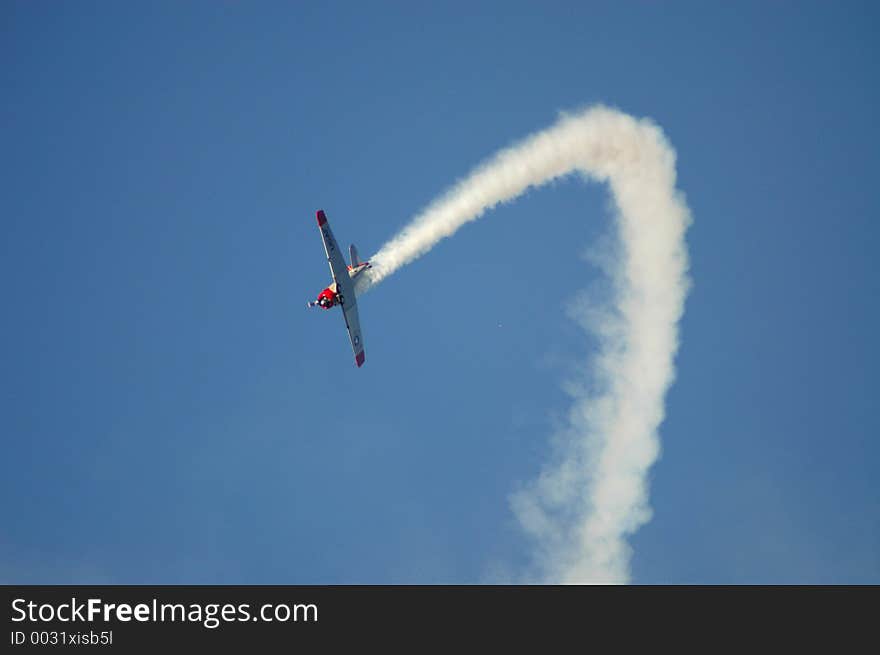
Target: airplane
{"x": 341, "y": 291}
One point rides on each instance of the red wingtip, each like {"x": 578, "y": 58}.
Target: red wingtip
{"x": 321, "y": 217}
{"x": 360, "y": 359}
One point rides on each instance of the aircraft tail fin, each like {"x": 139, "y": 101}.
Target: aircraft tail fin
{"x": 353, "y": 253}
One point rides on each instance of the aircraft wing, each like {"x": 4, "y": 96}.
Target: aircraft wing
{"x": 353, "y": 324}
{"x": 344, "y": 288}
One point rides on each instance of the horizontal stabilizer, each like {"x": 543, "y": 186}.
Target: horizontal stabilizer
{"x": 353, "y": 255}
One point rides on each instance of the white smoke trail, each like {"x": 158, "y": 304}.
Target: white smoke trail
{"x": 594, "y": 494}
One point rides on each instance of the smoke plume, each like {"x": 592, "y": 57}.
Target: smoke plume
{"x": 593, "y": 492}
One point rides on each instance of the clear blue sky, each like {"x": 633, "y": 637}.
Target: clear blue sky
{"x": 172, "y": 413}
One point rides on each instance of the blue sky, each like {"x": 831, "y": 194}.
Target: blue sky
{"x": 172, "y": 413}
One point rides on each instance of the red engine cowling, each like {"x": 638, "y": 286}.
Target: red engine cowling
{"x": 326, "y": 299}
